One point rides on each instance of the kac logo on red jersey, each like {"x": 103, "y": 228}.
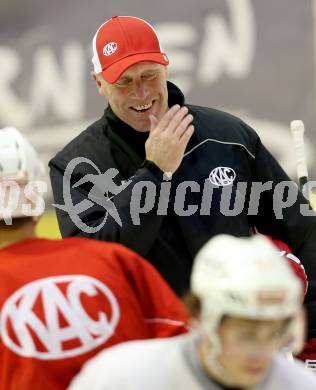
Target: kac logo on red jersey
{"x": 59, "y": 317}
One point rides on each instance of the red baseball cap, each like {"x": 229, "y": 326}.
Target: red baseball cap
{"x": 122, "y": 42}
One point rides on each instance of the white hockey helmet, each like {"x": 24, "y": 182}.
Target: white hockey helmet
{"x": 20, "y": 165}
{"x": 245, "y": 278}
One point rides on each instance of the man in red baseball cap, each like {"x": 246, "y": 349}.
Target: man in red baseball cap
{"x": 148, "y": 134}
{"x": 133, "y": 41}
{"x": 127, "y": 54}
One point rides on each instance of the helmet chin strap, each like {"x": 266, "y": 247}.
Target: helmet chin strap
{"x": 209, "y": 351}
{"x": 212, "y": 366}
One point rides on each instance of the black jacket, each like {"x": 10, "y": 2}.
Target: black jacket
{"x": 171, "y": 241}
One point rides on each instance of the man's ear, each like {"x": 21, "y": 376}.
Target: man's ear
{"x": 96, "y": 77}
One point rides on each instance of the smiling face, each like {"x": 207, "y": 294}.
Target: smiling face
{"x": 139, "y": 92}
{"x": 247, "y": 349}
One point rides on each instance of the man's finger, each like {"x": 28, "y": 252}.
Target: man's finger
{"x": 165, "y": 120}
{"x": 177, "y": 118}
{"x": 187, "y": 135}
{"x": 183, "y": 125}
{"x": 153, "y": 122}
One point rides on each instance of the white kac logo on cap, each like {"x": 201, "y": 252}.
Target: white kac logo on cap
{"x": 222, "y": 176}
{"x": 110, "y": 48}
{"x": 39, "y": 319}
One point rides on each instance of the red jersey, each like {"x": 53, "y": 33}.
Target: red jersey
{"x": 294, "y": 262}
{"x": 61, "y": 302}
{"x": 308, "y": 355}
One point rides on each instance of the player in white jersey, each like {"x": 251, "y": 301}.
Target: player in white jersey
{"x": 249, "y": 309}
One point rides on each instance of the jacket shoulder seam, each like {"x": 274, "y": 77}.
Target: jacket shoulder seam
{"x": 220, "y": 142}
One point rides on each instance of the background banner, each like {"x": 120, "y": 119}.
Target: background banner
{"x": 253, "y": 58}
